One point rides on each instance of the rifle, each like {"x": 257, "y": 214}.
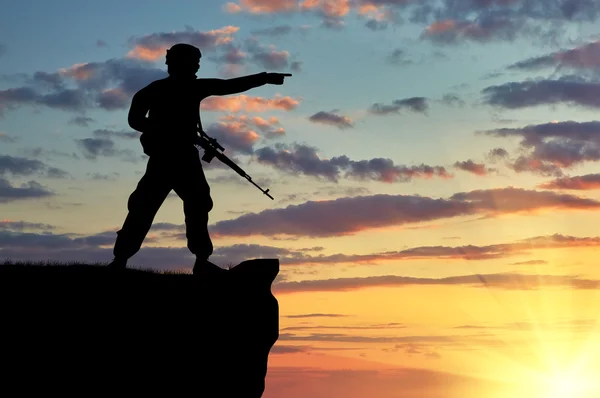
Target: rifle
{"x": 211, "y": 150}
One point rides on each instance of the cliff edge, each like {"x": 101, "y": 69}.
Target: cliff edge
{"x": 86, "y": 330}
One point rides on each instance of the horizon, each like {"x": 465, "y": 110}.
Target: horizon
{"x": 432, "y": 165}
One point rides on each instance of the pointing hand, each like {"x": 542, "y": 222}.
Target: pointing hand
{"x": 277, "y": 78}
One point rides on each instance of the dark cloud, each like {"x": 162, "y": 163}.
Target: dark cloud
{"x": 485, "y": 29}
{"x": 275, "y": 31}
{"x": 82, "y": 121}
{"x": 107, "y": 134}
{"x": 415, "y": 104}
{"x": 585, "y": 182}
{"x": 398, "y": 58}
{"x": 453, "y": 100}
{"x": 463, "y": 253}
{"x": 330, "y": 118}
{"x": 472, "y": 167}
{"x": 531, "y": 262}
{"x": 39, "y": 152}
{"x": 106, "y": 85}
{"x": 29, "y": 190}
{"x": 153, "y": 46}
{"x": 24, "y": 225}
{"x": 7, "y": 138}
{"x": 101, "y": 43}
{"x": 271, "y": 59}
{"x": 552, "y": 147}
{"x": 380, "y": 326}
{"x": 18, "y": 166}
{"x": 565, "y": 90}
{"x": 330, "y": 217}
{"x": 585, "y": 57}
{"x": 376, "y": 25}
{"x": 103, "y": 177}
{"x": 303, "y": 159}
{"x": 92, "y": 148}
{"x": 497, "y": 153}
{"x": 285, "y": 349}
{"x": 316, "y": 315}
{"x": 489, "y": 281}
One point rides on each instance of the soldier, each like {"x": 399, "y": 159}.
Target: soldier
{"x": 168, "y": 137}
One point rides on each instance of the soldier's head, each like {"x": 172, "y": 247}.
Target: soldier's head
{"x": 183, "y": 60}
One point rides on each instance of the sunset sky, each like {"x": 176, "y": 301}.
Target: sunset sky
{"x": 433, "y": 164}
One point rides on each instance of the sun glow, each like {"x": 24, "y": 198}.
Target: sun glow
{"x": 570, "y": 385}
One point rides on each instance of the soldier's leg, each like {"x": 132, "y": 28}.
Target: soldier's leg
{"x": 143, "y": 204}
{"x": 194, "y": 191}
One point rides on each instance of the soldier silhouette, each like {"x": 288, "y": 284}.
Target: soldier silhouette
{"x": 168, "y": 137}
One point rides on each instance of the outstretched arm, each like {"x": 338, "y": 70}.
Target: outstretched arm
{"x": 241, "y": 84}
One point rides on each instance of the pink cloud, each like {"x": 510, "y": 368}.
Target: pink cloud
{"x": 330, "y": 217}
{"x": 586, "y": 182}
{"x": 498, "y": 281}
{"x": 472, "y": 167}
{"x": 248, "y": 103}
{"x": 153, "y": 47}
{"x": 262, "y": 6}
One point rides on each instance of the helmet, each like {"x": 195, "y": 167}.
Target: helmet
{"x": 183, "y": 52}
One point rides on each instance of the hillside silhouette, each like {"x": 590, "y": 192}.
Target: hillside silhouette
{"x": 87, "y": 330}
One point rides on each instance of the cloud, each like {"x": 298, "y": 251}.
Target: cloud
{"x": 491, "y": 27}
{"x": 490, "y": 281}
{"x": 82, "y": 121}
{"x": 247, "y": 103}
{"x": 29, "y": 190}
{"x": 262, "y": 6}
{"x": 415, "y": 104}
{"x": 316, "y": 315}
{"x": 18, "y": 166}
{"x": 153, "y": 47}
{"x": 551, "y": 147}
{"x": 531, "y": 262}
{"x": 39, "y": 152}
{"x": 398, "y": 57}
{"x": 330, "y": 118}
{"x": 382, "y": 326}
{"x": 303, "y": 159}
{"x": 92, "y": 148}
{"x": 107, "y": 134}
{"x": 453, "y": 100}
{"x": 6, "y": 138}
{"x": 585, "y": 57}
{"x": 23, "y": 225}
{"x": 107, "y": 85}
{"x": 274, "y": 31}
{"x": 330, "y": 217}
{"x": 363, "y": 379}
{"x": 458, "y": 253}
{"x": 472, "y": 167}
{"x": 585, "y": 182}
{"x": 497, "y": 153}
{"x": 284, "y": 349}
{"x": 267, "y": 57}
{"x": 240, "y": 133}
{"x": 565, "y": 90}
{"x": 101, "y": 43}
{"x": 103, "y": 177}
